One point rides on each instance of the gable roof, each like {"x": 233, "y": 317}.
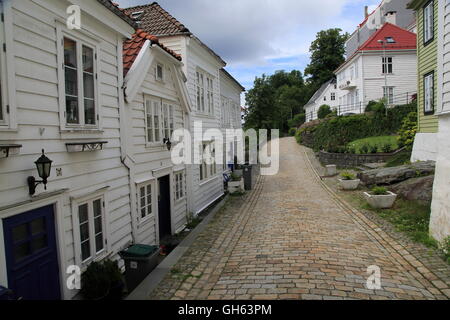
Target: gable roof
{"x": 133, "y": 46}
{"x": 114, "y": 7}
{"x": 225, "y": 72}
{"x": 155, "y": 20}
{"x": 319, "y": 92}
{"x": 404, "y": 40}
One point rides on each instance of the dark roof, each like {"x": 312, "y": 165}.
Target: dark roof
{"x": 114, "y": 7}
{"x": 155, "y": 20}
{"x": 133, "y": 46}
{"x": 320, "y": 91}
{"x": 232, "y": 78}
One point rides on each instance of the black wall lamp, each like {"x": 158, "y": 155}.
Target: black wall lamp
{"x": 44, "y": 166}
{"x": 168, "y": 144}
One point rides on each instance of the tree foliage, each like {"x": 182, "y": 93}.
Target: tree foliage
{"x": 324, "y": 110}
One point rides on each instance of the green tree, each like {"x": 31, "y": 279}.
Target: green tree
{"x": 297, "y": 121}
{"x": 324, "y": 110}
{"x": 327, "y": 54}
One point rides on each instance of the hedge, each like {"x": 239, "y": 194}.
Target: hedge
{"x": 339, "y": 131}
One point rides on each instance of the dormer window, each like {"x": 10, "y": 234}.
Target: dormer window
{"x": 136, "y": 15}
{"x": 389, "y": 40}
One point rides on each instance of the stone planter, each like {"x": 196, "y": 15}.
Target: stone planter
{"x": 381, "y": 201}
{"x": 331, "y": 170}
{"x": 236, "y": 186}
{"x": 349, "y": 184}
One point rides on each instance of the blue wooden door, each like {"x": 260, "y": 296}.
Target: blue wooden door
{"x": 31, "y": 255}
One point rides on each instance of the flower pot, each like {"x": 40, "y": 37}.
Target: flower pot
{"x": 381, "y": 201}
{"x": 236, "y": 186}
{"x": 349, "y": 184}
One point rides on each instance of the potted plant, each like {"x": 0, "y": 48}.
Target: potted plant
{"x": 348, "y": 181}
{"x": 380, "y": 198}
{"x": 236, "y": 184}
{"x": 102, "y": 281}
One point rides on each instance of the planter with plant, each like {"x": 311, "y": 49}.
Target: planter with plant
{"x": 380, "y": 198}
{"x": 102, "y": 281}
{"x": 236, "y": 184}
{"x": 348, "y": 181}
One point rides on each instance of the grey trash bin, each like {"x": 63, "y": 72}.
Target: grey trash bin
{"x": 140, "y": 260}
{"x": 248, "y": 177}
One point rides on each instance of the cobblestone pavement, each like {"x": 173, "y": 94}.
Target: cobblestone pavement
{"x": 290, "y": 239}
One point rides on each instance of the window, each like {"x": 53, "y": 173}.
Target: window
{"x": 333, "y": 96}
{"x": 80, "y": 83}
{"x": 4, "y": 101}
{"x": 387, "y": 65}
{"x": 159, "y": 72}
{"x": 179, "y": 185}
{"x": 324, "y": 98}
{"x": 388, "y": 94}
{"x": 428, "y": 22}
{"x": 159, "y": 119}
{"x": 91, "y": 226}
{"x": 208, "y": 167}
{"x": 428, "y": 84}
{"x": 145, "y": 200}
{"x": 205, "y": 93}
{"x": 389, "y": 40}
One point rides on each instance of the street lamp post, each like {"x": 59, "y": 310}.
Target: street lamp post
{"x": 384, "y": 68}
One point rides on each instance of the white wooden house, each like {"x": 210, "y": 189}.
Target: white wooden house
{"x": 440, "y": 208}
{"x": 202, "y": 68}
{"x": 61, "y": 92}
{"x": 326, "y": 94}
{"x": 156, "y": 104}
{"x": 230, "y": 100}
{"x": 385, "y": 66}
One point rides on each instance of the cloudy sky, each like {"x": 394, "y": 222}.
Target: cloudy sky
{"x": 262, "y": 36}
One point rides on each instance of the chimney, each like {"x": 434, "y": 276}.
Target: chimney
{"x": 391, "y": 17}
{"x": 366, "y": 12}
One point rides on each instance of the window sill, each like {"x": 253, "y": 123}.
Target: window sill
{"x": 180, "y": 200}
{"x": 146, "y": 220}
{"x": 155, "y": 146}
{"x": 207, "y": 181}
{"x": 82, "y": 130}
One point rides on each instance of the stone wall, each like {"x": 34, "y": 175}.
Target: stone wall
{"x": 348, "y": 160}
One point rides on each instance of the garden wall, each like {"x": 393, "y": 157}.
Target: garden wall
{"x": 349, "y": 160}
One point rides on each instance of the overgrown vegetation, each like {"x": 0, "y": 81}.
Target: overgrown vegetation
{"x": 324, "y": 111}
{"x": 346, "y": 175}
{"x": 408, "y": 131}
{"x": 401, "y": 158}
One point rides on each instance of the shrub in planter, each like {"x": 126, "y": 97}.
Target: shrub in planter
{"x": 380, "y": 198}
{"x": 102, "y": 281}
{"x": 348, "y": 181}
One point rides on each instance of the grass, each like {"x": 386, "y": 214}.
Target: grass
{"x": 378, "y": 141}
{"x": 410, "y": 217}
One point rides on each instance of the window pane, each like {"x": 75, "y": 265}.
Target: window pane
{"x": 97, "y": 208}
{"x": 88, "y": 60}
{"x": 89, "y": 112}
{"x": 72, "y": 110}
{"x": 70, "y": 53}
{"x": 38, "y": 226}
{"x": 83, "y": 213}
{"x": 98, "y": 224}
{"x": 84, "y": 231}
{"x": 22, "y": 251}
{"x": 156, "y": 112}
{"x": 85, "y": 251}
{"x": 71, "y": 81}
{"x": 20, "y": 233}
{"x": 39, "y": 243}
{"x": 99, "y": 244}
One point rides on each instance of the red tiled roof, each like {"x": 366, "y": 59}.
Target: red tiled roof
{"x": 404, "y": 39}
{"x": 155, "y": 20}
{"x": 133, "y": 46}
{"x": 114, "y": 7}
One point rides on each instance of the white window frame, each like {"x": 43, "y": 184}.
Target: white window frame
{"x": 95, "y": 256}
{"x": 204, "y": 84}
{"x": 151, "y": 206}
{"x": 333, "y": 96}
{"x": 388, "y": 93}
{"x": 428, "y": 93}
{"x": 157, "y": 77}
{"x": 386, "y": 64}
{"x": 428, "y": 22}
{"x": 7, "y": 69}
{"x": 208, "y": 165}
{"x": 81, "y": 40}
{"x": 164, "y": 125}
{"x": 180, "y": 185}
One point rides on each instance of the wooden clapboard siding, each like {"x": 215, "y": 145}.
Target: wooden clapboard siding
{"x": 38, "y": 116}
{"x": 427, "y": 62}
{"x": 147, "y": 157}
{"x": 445, "y": 67}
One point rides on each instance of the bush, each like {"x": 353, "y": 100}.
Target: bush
{"x": 351, "y": 149}
{"x": 408, "y": 131}
{"x": 324, "y": 111}
{"x": 297, "y": 121}
{"x": 348, "y": 176}
{"x": 370, "y": 106}
{"x": 292, "y": 132}
{"x": 373, "y": 148}
{"x": 102, "y": 280}
{"x": 364, "y": 148}
{"x": 387, "y": 148}
{"x": 379, "y": 191}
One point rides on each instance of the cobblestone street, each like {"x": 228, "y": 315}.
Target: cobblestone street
{"x": 290, "y": 239}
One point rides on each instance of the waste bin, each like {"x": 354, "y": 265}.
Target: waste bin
{"x": 5, "y": 294}
{"x": 248, "y": 177}
{"x": 140, "y": 260}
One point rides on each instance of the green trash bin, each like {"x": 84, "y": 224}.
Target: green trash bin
{"x": 140, "y": 260}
